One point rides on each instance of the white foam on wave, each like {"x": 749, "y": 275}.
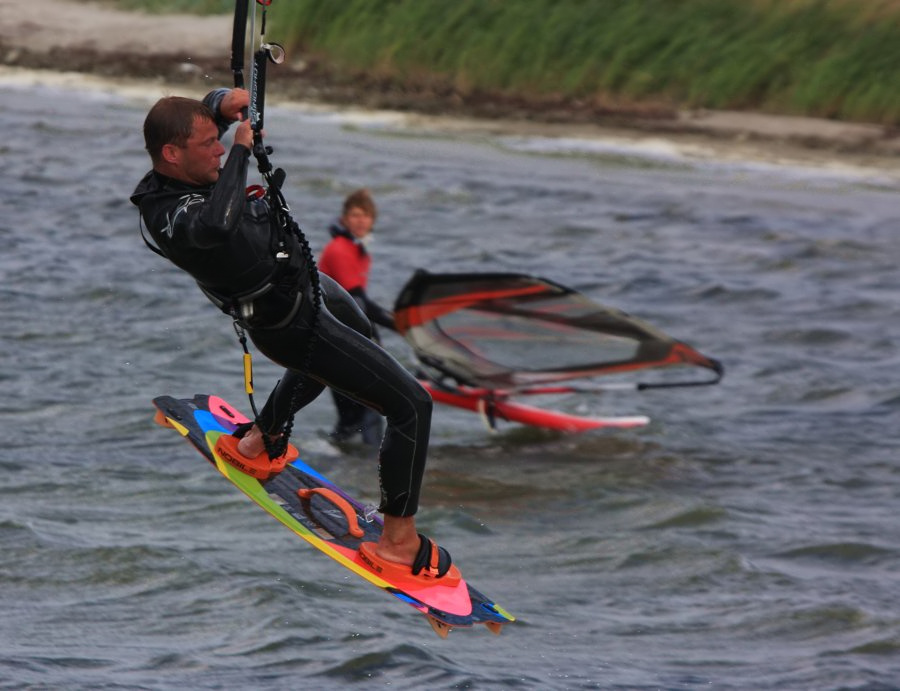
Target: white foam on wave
{"x": 88, "y": 86}
{"x": 650, "y": 148}
{"x": 650, "y": 151}
{"x": 347, "y": 117}
{"x": 660, "y": 152}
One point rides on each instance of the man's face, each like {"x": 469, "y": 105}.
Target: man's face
{"x": 199, "y": 160}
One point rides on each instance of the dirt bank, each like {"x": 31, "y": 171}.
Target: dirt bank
{"x": 172, "y": 50}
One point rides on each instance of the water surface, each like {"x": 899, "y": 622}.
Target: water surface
{"x": 745, "y": 539}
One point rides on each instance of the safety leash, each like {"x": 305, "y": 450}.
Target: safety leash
{"x": 248, "y": 366}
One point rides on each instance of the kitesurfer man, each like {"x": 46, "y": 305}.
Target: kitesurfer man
{"x": 206, "y": 221}
{"x": 346, "y": 259}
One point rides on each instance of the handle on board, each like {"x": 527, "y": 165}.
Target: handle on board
{"x": 339, "y": 501}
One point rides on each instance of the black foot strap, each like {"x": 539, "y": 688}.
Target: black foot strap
{"x": 241, "y": 430}
{"x": 434, "y": 560}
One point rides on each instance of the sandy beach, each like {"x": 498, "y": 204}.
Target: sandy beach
{"x": 190, "y": 52}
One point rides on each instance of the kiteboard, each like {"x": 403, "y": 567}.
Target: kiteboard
{"x": 329, "y": 519}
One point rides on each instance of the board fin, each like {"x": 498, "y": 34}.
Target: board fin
{"x": 161, "y": 420}
{"x": 494, "y": 627}
{"x": 440, "y": 628}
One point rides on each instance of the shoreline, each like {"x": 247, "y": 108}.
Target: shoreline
{"x": 125, "y": 48}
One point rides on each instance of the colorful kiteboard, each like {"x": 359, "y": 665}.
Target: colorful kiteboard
{"x": 329, "y": 519}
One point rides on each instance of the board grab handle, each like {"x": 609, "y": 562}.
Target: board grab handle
{"x": 353, "y": 528}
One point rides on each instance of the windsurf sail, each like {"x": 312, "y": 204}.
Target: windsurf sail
{"x": 506, "y": 331}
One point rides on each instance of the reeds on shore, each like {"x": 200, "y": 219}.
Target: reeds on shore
{"x": 823, "y": 58}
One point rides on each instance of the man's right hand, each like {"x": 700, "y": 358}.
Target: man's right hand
{"x": 243, "y": 135}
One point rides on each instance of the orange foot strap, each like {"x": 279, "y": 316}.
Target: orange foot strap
{"x": 261, "y": 467}
{"x": 398, "y": 573}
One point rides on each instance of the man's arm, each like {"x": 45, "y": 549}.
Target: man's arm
{"x": 225, "y": 206}
{"x": 227, "y": 105}
{"x": 207, "y": 224}
{"x": 375, "y": 312}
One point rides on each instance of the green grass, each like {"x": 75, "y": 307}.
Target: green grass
{"x": 825, "y": 58}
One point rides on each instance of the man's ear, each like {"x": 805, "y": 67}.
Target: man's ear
{"x": 171, "y": 154}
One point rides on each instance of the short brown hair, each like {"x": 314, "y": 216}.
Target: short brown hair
{"x": 361, "y": 199}
{"x": 171, "y": 121}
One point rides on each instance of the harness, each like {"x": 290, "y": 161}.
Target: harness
{"x": 241, "y": 306}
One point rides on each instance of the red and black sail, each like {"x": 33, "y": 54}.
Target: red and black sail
{"x": 512, "y": 331}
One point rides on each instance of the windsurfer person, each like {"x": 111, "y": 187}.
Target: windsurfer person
{"x": 346, "y": 259}
{"x": 207, "y": 222}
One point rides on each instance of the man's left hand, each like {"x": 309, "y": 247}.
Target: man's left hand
{"x": 233, "y": 104}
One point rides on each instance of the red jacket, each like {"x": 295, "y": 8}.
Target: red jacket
{"x": 346, "y": 262}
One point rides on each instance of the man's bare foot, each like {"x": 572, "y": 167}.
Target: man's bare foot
{"x": 251, "y": 444}
{"x": 399, "y": 542}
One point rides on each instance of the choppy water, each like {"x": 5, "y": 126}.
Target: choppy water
{"x": 746, "y": 539}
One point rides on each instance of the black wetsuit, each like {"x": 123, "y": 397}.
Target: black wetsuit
{"x": 244, "y": 262}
